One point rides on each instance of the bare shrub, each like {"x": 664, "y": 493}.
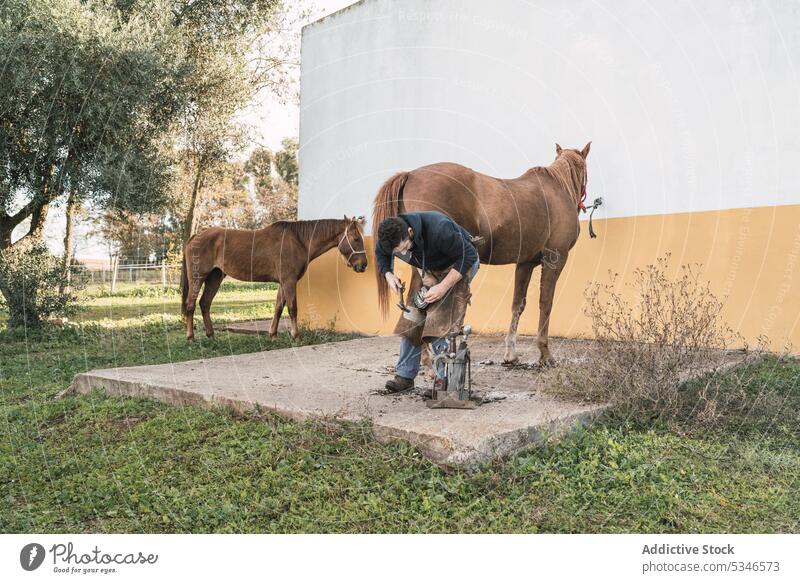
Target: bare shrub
{"x": 648, "y": 347}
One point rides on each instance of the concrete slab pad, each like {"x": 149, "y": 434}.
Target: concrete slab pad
{"x": 345, "y": 380}
{"x": 257, "y": 326}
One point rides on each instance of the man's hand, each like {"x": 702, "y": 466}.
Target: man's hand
{"x": 394, "y": 282}
{"x": 435, "y": 293}
{"x": 438, "y": 291}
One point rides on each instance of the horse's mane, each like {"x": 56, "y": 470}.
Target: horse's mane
{"x": 566, "y": 170}
{"x": 306, "y": 230}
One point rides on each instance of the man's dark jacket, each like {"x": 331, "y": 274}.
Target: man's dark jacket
{"x": 439, "y": 242}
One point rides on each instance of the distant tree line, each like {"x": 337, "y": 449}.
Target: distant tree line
{"x": 235, "y": 194}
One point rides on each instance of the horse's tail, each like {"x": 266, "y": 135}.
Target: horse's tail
{"x": 184, "y": 281}
{"x": 388, "y": 203}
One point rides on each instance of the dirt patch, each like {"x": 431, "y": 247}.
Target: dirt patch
{"x": 126, "y": 424}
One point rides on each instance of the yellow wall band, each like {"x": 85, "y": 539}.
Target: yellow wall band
{"x": 750, "y": 255}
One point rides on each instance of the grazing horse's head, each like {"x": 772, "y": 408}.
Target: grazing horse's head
{"x": 351, "y": 244}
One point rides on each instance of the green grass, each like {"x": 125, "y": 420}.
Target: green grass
{"x": 93, "y": 463}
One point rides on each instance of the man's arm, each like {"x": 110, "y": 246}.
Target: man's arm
{"x": 438, "y": 291}
{"x": 451, "y": 243}
{"x": 384, "y": 260}
{"x": 385, "y": 263}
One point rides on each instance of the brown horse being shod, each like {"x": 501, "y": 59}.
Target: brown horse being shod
{"x": 530, "y": 220}
{"x": 280, "y": 253}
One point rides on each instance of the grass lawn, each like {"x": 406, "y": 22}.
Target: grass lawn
{"x": 92, "y": 463}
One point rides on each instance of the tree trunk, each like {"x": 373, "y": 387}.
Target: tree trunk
{"x": 36, "y": 230}
{"x": 5, "y": 232}
{"x": 72, "y": 204}
{"x": 36, "y": 209}
{"x": 189, "y": 223}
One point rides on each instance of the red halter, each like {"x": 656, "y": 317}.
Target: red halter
{"x": 582, "y": 198}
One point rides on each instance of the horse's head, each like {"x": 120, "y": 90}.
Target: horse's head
{"x": 351, "y": 244}
{"x": 576, "y": 160}
{"x": 582, "y": 153}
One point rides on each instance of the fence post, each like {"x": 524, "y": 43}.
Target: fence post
{"x": 114, "y": 267}
{"x": 163, "y": 274}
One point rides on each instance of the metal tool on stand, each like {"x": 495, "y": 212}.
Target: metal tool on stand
{"x": 455, "y": 391}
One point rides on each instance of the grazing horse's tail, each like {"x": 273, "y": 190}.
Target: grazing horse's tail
{"x": 184, "y": 282}
{"x": 388, "y": 203}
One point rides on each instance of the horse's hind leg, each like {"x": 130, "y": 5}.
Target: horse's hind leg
{"x": 195, "y": 283}
{"x": 552, "y": 265}
{"x": 426, "y": 362}
{"x": 522, "y": 279}
{"x": 289, "y": 291}
{"x": 213, "y": 281}
{"x": 280, "y": 302}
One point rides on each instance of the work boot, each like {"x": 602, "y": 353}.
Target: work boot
{"x": 399, "y": 384}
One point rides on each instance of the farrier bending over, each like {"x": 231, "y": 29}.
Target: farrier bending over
{"x": 429, "y": 241}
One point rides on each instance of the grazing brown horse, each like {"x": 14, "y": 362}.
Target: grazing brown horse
{"x": 531, "y": 220}
{"x": 280, "y": 252}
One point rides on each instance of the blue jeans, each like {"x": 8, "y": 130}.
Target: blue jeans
{"x": 410, "y": 355}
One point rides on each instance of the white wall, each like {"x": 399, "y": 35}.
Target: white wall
{"x": 689, "y": 105}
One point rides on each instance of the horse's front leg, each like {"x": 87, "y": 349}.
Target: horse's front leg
{"x": 522, "y": 279}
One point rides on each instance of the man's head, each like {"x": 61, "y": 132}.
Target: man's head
{"x": 394, "y": 235}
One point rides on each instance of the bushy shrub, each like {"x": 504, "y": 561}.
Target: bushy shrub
{"x": 32, "y": 282}
{"x": 647, "y": 347}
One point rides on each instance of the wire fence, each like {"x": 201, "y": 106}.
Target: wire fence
{"x": 165, "y": 274}
{"x": 146, "y": 276}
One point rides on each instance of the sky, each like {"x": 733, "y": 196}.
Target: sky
{"x": 269, "y": 120}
